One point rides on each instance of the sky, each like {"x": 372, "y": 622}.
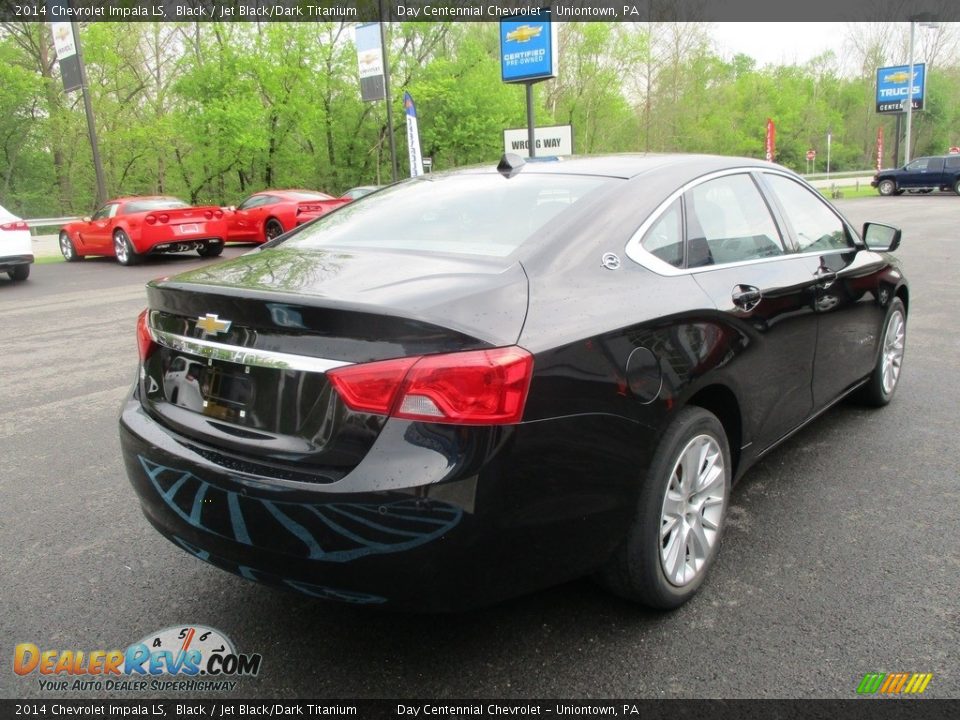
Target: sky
{"x": 778, "y": 43}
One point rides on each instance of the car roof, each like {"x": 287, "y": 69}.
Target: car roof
{"x": 631, "y": 165}
{"x": 130, "y": 198}
{"x": 291, "y": 190}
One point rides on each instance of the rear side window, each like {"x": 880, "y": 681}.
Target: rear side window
{"x": 728, "y": 221}
{"x": 952, "y": 163}
{"x": 665, "y": 239}
{"x": 815, "y": 225}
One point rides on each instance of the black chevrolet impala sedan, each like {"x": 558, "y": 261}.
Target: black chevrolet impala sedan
{"x": 472, "y": 385}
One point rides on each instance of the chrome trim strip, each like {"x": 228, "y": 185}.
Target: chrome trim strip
{"x": 636, "y": 252}
{"x": 243, "y": 356}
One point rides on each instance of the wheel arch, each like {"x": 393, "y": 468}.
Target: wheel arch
{"x": 275, "y": 217}
{"x": 722, "y": 402}
{"x": 904, "y": 294}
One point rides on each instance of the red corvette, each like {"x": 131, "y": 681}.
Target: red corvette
{"x": 129, "y": 228}
{"x": 265, "y": 215}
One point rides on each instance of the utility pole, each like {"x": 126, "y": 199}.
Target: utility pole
{"x": 91, "y": 124}
{"x": 386, "y": 89}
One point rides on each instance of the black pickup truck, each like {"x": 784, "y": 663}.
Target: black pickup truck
{"x": 924, "y": 174}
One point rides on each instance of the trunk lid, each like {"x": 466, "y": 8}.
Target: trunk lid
{"x": 244, "y": 345}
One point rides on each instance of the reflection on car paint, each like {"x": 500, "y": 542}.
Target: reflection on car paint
{"x": 331, "y": 532}
{"x": 318, "y": 591}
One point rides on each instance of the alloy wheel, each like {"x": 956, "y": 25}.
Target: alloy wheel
{"x": 120, "y": 249}
{"x": 692, "y": 510}
{"x": 893, "y": 344}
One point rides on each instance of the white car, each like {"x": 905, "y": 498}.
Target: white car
{"x": 16, "y": 250}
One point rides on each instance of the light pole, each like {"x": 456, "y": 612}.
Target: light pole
{"x": 924, "y": 19}
{"x": 829, "y": 137}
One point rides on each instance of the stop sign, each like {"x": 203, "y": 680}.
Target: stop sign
{"x": 811, "y": 154}
{"x": 955, "y": 150}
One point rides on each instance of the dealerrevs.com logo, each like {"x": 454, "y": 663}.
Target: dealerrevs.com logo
{"x": 179, "y": 659}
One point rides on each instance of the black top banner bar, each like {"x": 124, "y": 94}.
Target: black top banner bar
{"x": 482, "y": 10}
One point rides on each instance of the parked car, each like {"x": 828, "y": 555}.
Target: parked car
{"x": 480, "y": 383}
{"x": 268, "y": 214}
{"x": 360, "y": 191}
{"x": 924, "y": 174}
{"x": 131, "y": 227}
{"x": 16, "y": 248}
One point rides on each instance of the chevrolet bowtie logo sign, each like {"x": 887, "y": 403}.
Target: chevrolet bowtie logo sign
{"x": 525, "y": 33}
{"x": 213, "y": 325}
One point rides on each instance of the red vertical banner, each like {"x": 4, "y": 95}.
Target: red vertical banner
{"x": 879, "y": 148}
{"x": 771, "y": 140}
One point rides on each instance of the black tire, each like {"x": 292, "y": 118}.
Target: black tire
{"x": 636, "y": 570}
{"x": 887, "y": 187}
{"x": 20, "y": 272}
{"x": 879, "y": 390}
{"x": 68, "y": 249}
{"x": 271, "y": 229}
{"x": 956, "y": 187}
{"x": 210, "y": 250}
{"x": 124, "y": 250}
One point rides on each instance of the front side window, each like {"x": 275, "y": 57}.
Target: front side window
{"x": 919, "y": 164}
{"x": 254, "y": 201}
{"x": 107, "y": 211}
{"x": 728, "y": 221}
{"x": 815, "y": 225}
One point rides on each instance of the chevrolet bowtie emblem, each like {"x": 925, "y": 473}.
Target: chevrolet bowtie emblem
{"x": 525, "y": 33}
{"x": 213, "y": 325}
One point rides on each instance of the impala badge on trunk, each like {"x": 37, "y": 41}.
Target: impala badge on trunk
{"x": 213, "y": 325}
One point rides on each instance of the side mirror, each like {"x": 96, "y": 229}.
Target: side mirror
{"x": 85, "y": 218}
{"x": 883, "y": 238}
{"x": 231, "y": 208}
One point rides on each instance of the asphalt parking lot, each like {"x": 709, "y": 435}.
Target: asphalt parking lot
{"x": 842, "y": 555}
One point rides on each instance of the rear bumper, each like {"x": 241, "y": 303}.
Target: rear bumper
{"x": 433, "y": 519}
{"x": 166, "y": 238}
{"x": 180, "y": 246}
{"x": 8, "y": 262}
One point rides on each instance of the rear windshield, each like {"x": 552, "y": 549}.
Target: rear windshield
{"x": 138, "y": 206}
{"x": 464, "y": 214}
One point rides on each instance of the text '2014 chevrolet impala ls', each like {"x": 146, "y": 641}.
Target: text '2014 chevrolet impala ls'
{"x": 476, "y": 384}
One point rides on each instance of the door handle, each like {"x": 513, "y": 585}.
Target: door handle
{"x": 746, "y": 297}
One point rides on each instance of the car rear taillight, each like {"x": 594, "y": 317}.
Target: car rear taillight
{"x": 145, "y": 342}
{"x": 164, "y": 218}
{"x": 218, "y": 214}
{"x": 150, "y": 219}
{"x": 478, "y": 387}
{"x": 18, "y": 225}
{"x": 208, "y": 215}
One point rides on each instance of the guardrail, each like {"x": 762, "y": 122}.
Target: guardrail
{"x": 846, "y": 173}
{"x": 50, "y": 222}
